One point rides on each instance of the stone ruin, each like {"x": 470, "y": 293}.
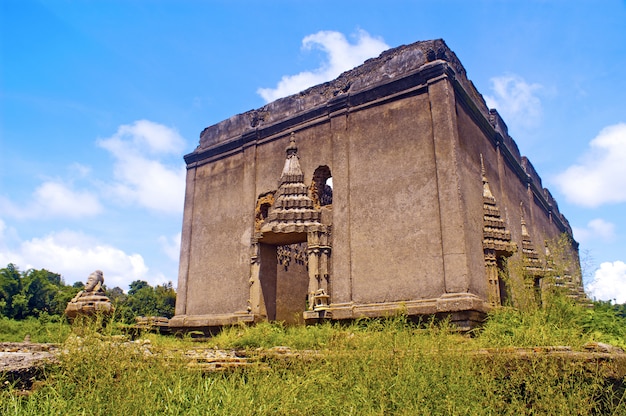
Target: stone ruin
{"x": 91, "y": 300}
{"x": 390, "y": 189}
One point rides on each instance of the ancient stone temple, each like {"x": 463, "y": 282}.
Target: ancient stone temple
{"x": 391, "y": 189}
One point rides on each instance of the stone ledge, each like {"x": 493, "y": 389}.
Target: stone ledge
{"x": 465, "y": 310}
{"x": 200, "y": 322}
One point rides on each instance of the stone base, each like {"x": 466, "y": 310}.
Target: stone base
{"x": 447, "y": 303}
{"x": 208, "y": 324}
{"x": 90, "y": 305}
{"x": 464, "y": 310}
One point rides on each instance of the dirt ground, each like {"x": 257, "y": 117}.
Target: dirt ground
{"x": 22, "y": 362}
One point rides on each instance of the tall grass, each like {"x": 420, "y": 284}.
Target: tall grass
{"x": 376, "y": 367}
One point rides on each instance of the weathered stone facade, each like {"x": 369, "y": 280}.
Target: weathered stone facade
{"x": 429, "y": 196}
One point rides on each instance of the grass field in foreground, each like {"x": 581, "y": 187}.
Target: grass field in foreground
{"x": 375, "y": 367}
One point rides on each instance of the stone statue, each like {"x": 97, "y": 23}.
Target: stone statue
{"x": 93, "y": 285}
{"x": 90, "y": 301}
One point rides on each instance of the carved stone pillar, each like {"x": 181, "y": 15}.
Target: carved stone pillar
{"x": 254, "y": 302}
{"x": 314, "y": 276}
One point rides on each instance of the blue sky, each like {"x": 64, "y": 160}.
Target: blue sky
{"x": 100, "y": 100}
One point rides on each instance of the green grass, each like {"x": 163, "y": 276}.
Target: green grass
{"x": 45, "y": 329}
{"x": 373, "y": 367}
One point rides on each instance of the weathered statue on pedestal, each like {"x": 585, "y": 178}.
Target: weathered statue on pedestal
{"x": 90, "y": 301}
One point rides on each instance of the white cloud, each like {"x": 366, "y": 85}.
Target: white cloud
{"x": 150, "y": 182}
{"x": 54, "y": 199}
{"x": 516, "y": 100}
{"x": 341, "y": 56}
{"x": 79, "y": 170}
{"x": 148, "y": 136}
{"x": 75, "y": 255}
{"x": 142, "y": 175}
{"x": 171, "y": 246}
{"x": 3, "y": 244}
{"x": 57, "y": 199}
{"x": 600, "y": 177}
{"x": 609, "y": 282}
{"x": 596, "y": 228}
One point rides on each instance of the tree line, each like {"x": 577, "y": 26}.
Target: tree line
{"x": 37, "y": 293}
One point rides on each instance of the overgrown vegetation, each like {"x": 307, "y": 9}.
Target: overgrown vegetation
{"x": 143, "y": 300}
{"x": 33, "y": 293}
{"x": 381, "y": 366}
{"x": 366, "y": 367}
{"x": 44, "y": 294}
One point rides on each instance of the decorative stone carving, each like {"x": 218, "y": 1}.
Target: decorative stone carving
{"x": 293, "y": 210}
{"x": 321, "y": 193}
{"x": 290, "y": 219}
{"x": 532, "y": 263}
{"x": 535, "y": 268}
{"x": 320, "y": 300}
{"x": 263, "y": 204}
{"x": 497, "y": 243}
{"x": 90, "y": 301}
{"x": 296, "y": 253}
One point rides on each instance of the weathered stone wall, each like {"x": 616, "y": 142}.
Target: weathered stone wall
{"x": 394, "y": 223}
{"x": 220, "y": 230}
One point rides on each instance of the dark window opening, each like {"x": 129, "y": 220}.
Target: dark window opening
{"x": 322, "y": 186}
{"x": 264, "y": 209}
{"x": 503, "y": 277}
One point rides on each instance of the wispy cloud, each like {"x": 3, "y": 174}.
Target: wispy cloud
{"x": 595, "y": 229}
{"x": 341, "y": 56}
{"x": 171, "y": 246}
{"x": 609, "y": 282}
{"x": 54, "y": 199}
{"x": 600, "y": 177}
{"x": 142, "y": 174}
{"x": 74, "y": 255}
{"x": 516, "y": 100}
{"x": 148, "y": 171}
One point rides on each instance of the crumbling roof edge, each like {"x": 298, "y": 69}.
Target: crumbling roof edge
{"x": 391, "y": 64}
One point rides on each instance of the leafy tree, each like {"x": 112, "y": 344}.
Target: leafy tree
{"x": 116, "y": 294}
{"x": 41, "y": 287}
{"x": 10, "y": 286}
{"x": 166, "y": 299}
{"x": 42, "y": 294}
{"x": 144, "y": 300}
{"x": 19, "y": 307}
{"x": 136, "y": 286}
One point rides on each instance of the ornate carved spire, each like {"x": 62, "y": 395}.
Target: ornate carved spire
{"x": 496, "y": 240}
{"x": 532, "y": 262}
{"x": 495, "y": 235}
{"x": 292, "y": 173}
{"x": 293, "y": 209}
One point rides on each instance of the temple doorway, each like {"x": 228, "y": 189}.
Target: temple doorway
{"x": 284, "y": 281}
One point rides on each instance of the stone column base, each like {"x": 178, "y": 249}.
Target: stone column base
{"x": 208, "y": 324}
{"x": 465, "y": 310}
